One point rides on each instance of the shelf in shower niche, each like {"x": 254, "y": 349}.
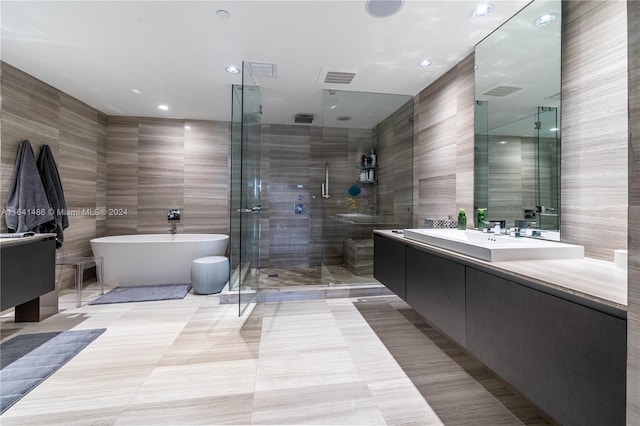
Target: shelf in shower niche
{"x": 367, "y": 174}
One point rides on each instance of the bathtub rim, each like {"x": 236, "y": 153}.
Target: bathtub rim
{"x": 154, "y": 238}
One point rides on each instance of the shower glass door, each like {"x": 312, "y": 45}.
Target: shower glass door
{"x": 245, "y": 197}
{"x": 363, "y": 181}
{"x": 547, "y": 168}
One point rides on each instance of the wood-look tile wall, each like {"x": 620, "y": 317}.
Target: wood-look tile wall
{"x": 122, "y": 174}
{"x": 154, "y": 164}
{"x": 285, "y": 163}
{"x": 101, "y": 177}
{"x": 75, "y": 132}
{"x": 594, "y": 126}
{"x": 443, "y": 146}
{"x": 395, "y": 167}
{"x": 633, "y": 313}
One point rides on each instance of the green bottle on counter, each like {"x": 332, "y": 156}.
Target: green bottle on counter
{"x": 481, "y": 217}
{"x": 462, "y": 219}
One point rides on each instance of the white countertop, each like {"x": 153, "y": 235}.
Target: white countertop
{"x": 21, "y": 240}
{"x": 592, "y": 279}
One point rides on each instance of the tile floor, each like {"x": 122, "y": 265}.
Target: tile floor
{"x": 340, "y": 361}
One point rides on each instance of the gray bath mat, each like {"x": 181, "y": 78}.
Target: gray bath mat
{"x": 144, "y": 293}
{"x": 27, "y": 360}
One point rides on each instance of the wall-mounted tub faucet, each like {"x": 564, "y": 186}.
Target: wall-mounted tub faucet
{"x": 174, "y": 218}
{"x": 173, "y": 215}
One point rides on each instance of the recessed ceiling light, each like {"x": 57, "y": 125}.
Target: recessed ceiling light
{"x": 232, "y": 70}
{"x": 187, "y": 127}
{"x": 333, "y": 107}
{"x": 223, "y": 14}
{"x": 482, "y": 10}
{"x": 383, "y": 8}
{"x": 163, "y": 107}
{"x": 545, "y": 19}
{"x": 554, "y": 129}
{"x": 424, "y": 63}
{"x": 503, "y": 142}
{"x": 136, "y": 91}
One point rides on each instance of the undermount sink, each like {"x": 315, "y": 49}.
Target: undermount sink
{"x": 494, "y": 248}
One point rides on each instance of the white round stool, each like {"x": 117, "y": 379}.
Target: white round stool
{"x": 209, "y": 274}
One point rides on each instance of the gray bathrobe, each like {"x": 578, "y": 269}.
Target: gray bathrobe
{"x": 27, "y": 203}
{"x": 53, "y": 188}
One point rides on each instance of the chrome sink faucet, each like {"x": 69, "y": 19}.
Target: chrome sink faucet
{"x": 491, "y": 227}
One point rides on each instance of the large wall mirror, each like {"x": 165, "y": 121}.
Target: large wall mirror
{"x": 517, "y": 121}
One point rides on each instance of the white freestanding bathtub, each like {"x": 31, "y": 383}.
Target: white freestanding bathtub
{"x": 148, "y": 259}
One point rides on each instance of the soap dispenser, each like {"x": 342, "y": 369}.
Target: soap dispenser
{"x": 462, "y": 220}
{"x": 481, "y": 218}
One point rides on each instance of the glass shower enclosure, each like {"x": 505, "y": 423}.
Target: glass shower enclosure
{"x": 245, "y": 195}
{"x": 365, "y": 180}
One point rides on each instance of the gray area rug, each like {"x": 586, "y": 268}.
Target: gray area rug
{"x": 27, "y": 360}
{"x": 144, "y": 293}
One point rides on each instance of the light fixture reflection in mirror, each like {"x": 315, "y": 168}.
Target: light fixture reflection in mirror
{"x": 517, "y": 120}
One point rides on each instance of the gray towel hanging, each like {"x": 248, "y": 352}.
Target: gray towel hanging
{"x": 27, "y": 203}
{"x": 53, "y": 188}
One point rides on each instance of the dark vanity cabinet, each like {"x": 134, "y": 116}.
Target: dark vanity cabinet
{"x": 28, "y": 272}
{"x": 432, "y": 285}
{"x": 388, "y": 264}
{"x": 435, "y": 288}
{"x": 567, "y": 358}
{"x": 565, "y": 354}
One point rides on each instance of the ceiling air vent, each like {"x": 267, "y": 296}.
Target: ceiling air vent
{"x": 263, "y": 69}
{"x": 336, "y": 77}
{"x": 502, "y": 91}
{"x": 303, "y": 118}
{"x": 331, "y": 75}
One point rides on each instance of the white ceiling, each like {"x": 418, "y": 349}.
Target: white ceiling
{"x": 176, "y": 52}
